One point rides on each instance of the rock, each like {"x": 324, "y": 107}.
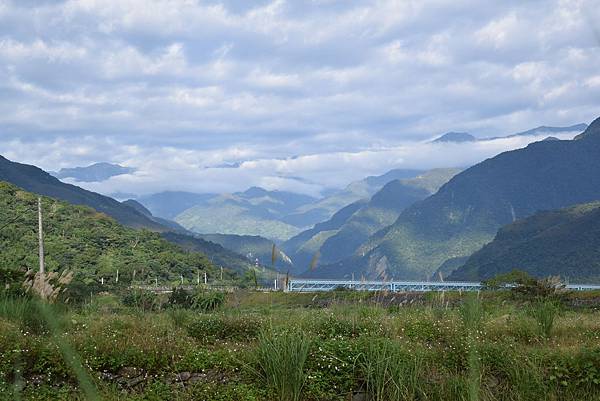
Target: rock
{"x": 359, "y": 397}
{"x": 135, "y": 381}
{"x": 183, "y": 376}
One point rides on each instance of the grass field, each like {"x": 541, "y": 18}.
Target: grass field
{"x": 275, "y": 346}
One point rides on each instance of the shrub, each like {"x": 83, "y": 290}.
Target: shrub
{"x": 208, "y": 301}
{"x": 181, "y": 298}
{"x": 145, "y": 300}
{"x": 280, "y": 360}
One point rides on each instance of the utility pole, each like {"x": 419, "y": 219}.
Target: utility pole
{"x": 41, "y": 238}
{"x": 205, "y": 279}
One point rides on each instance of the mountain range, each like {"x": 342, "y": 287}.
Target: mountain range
{"x": 340, "y": 236}
{"x": 276, "y": 215}
{"x": 466, "y": 212}
{"x": 458, "y": 137}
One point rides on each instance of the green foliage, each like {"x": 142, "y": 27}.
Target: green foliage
{"x": 86, "y": 242}
{"x": 280, "y": 362}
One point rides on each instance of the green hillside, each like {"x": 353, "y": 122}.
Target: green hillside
{"x": 89, "y": 243}
{"x": 466, "y": 213}
{"x": 563, "y": 242}
{"x": 335, "y": 242}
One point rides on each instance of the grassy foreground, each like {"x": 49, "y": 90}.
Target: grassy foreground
{"x": 275, "y": 346}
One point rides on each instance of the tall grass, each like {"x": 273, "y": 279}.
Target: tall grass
{"x": 390, "y": 373}
{"x": 22, "y": 311}
{"x": 544, "y": 312}
{"x": 471, "y": 313}
{"x": 280, "y": 358}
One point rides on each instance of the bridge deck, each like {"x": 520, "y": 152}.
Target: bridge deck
{"x": 296, "y": 285}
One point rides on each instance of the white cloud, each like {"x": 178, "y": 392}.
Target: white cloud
{"x": 347, "y": 84}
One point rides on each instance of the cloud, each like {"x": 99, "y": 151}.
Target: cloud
{"x": 235, "y": 169}
{"x": 193, "y": 82}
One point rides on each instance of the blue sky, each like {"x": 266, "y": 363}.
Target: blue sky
{"x": 325, "y": 90}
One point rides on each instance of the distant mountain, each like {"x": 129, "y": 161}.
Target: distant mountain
{"x": 95, "y": 173}
{"x": 171, "y": 203}
{"x": 544, "y": 130}
{"x": 338, "y": 241}
{"x": 461, "y": 137}
{"x": 305, "y": 245}
{"x": 252, "y": 247}
{"x": 35, "y": 180}
{"x": 563, "y": 242}
{"x": 466, "y": 213}
{"x": 253, "y": 212}
{"x": 455, "y": 137}
{"x": 324, "y": 208}
{"x": 170, "y": 224}
{"x": 216, "y": 253}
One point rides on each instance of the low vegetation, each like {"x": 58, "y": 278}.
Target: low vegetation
{"x": 341, "y": 345}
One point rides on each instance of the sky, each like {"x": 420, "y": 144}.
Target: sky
{"x": 217, "y": 96}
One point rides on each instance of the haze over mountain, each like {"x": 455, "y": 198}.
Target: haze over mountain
{"x": 466, "y": 212}
{"x": 564, "y": 242}
{"x": 255, "y": 211}
{"x": 169, "y": 204}
{"x": 96, "y": 172}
